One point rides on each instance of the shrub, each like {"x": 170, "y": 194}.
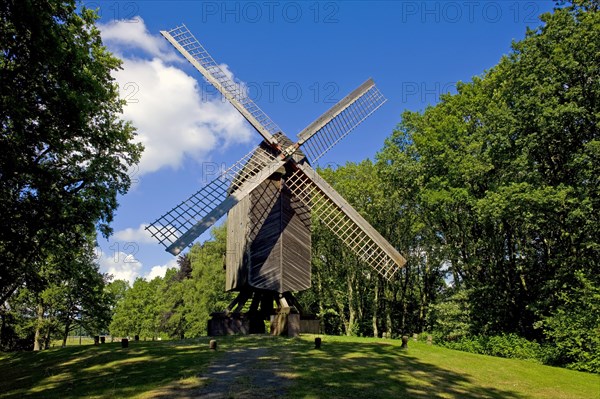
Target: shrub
{"x": 574, "y": 327}
{"x": 507, "y": 345}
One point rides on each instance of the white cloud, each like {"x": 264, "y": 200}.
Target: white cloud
{"x": 132, "y": 34}
{"x": 121, "y": 265}
{"x": 138, "y": 235}
{"x": 165, "y": 103}
{"x": 160, "y": 271}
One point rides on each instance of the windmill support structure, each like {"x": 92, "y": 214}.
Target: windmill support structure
{"x": 285, "y": 318}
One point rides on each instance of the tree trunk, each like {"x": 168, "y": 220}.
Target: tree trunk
{"x": 38, "y": 326}
{"x": 404, "y": 299}
{"x": 66, "y": 333}
{"x": 2, "y": 327}
{"x": 389, "y": 327}
{"x": 47, "y": 338}
{"x": 6, "y": 295}
{"x": 320, "y": 292}
{"x": 376, "y": 307}
{"x": 423, "y": 292}
{"x": 352, "y": 312}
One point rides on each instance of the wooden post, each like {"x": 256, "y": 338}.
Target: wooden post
{"x": 136, "y": 338}
{"x": 124, "y": 343}
{"x": 96, "y": 339}
{"x": 293, "y": 325}
{"x": 102, "y": 340}
{"x": 317, "y": 343}
{"x": 404, "y": 342}
{"x": 212, "y": 345}
{"x": 429, "y": 340}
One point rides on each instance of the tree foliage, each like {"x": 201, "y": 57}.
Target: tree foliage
{"x": 179, "y": 304}
{"x": 510, "y": 182}
{"x": 65, "y": 150}
{"x": 493, "y": 197}
{"x": 74, "y": 297}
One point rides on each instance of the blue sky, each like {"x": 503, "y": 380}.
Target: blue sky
{"x": 296, "y": 59}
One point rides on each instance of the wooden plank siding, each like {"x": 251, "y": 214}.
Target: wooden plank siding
{"x": 268, "y": 235}
{"x": 296, "y": 244}
{"x": 265, "y": 266}
{"x": 237, "y": 232}
{"x": 269, "y": 241}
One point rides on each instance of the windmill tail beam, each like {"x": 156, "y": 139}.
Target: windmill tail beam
{"x": 187, "y": 44}
{"x": 344, "y": 221}
{"x": 335, "y": 124}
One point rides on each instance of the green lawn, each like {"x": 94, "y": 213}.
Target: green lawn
{"x": 345, "y": 367}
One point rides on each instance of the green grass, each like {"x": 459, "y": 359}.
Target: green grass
{"x": 344, "y": 367}
{"x": 378, "y": 368}
{"x": 104, "y": 371}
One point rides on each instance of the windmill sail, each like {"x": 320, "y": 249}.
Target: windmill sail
{"x": 187, "y": 44}
{"x": 184, "y": 223}
{"x": 344, "y": 221}
{"x": 335, "y": 124}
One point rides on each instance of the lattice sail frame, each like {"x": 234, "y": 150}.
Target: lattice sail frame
{"x": 365, "y": 244}
{"x": 171, "y": 226}
{"x": 187, "y": 44}
{"x": 341, "y": 125}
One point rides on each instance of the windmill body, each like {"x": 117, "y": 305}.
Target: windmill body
{"x": 268, "y": 239}
{"x": 271, "y": 196}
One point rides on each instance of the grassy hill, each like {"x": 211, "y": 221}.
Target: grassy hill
{"x": 345, "y": 367}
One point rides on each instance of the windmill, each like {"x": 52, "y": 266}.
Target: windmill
{"x": 270, "y": 195}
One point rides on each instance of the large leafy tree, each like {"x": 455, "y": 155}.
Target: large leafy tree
{"x": 138, "y": 313}
{"x": 509, "y": 183}
{"x": 65, "y": 150}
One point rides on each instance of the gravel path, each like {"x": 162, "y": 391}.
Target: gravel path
{"x": 244, "y": 373}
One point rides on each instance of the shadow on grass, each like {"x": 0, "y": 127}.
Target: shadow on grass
{"x": 244, "y": 367}
{"x": 101, "y": 371}
{"x": 377, "y": 370}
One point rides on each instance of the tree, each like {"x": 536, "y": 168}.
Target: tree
{"x": 178, "y": 305}
{"x": 116, "y": 292}
{"x": 65, "y": 150}
{"x": 508, "y": 184}
{"x": 574, "y": 326}
{"x": 350, "y": 296}
{"x": 172, "y": 304}
{"x": 137, "y": 313}
{"x": 204, "y": 292}
{"x": 73, "y": 296}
